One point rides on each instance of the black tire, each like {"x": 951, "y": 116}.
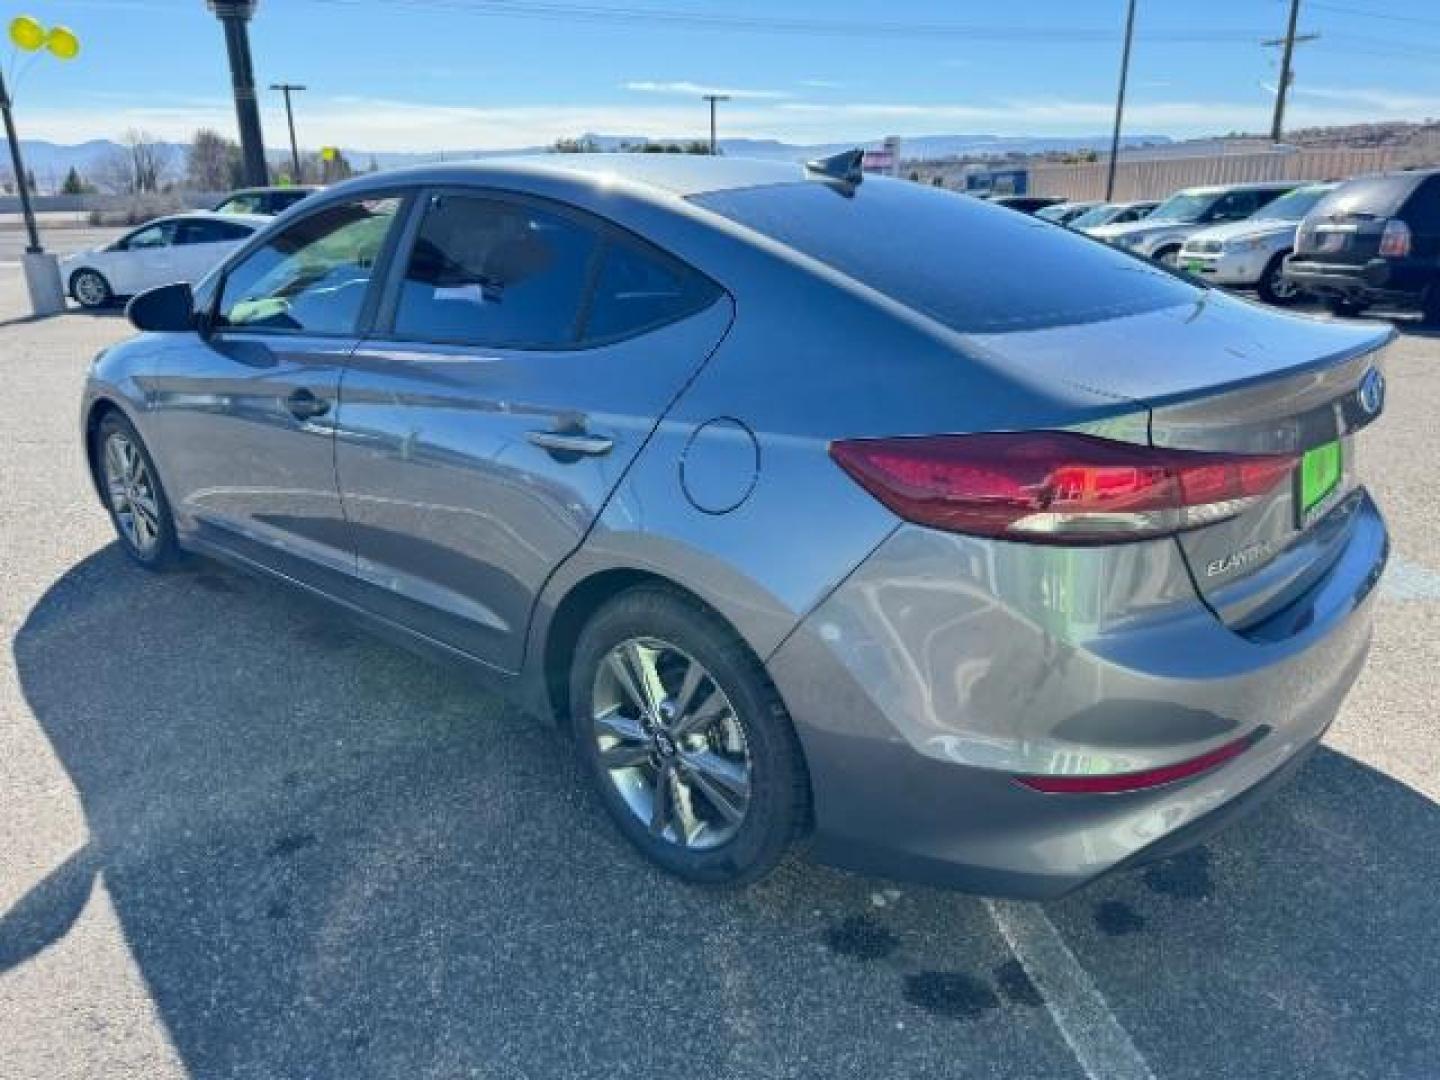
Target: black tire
{"x": 1344, "y": 308}
{"x": 90, "y": 289}
{"x": 1430, "y": 308}
{"x": 778, "y": 794}
{"x": 1274, "y": 288}
{"x": 164, "y": 553}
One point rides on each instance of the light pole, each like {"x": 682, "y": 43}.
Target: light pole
{"x": 287, "y": 89}
{"x": 1120, "y": 102}
{"x": 234, "y": 15}
{"x": 713, "y": 99}
{"x": 42, "y": 270}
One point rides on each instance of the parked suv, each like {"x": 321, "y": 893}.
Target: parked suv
{"x": 1250, "y": 254}
{"x": 1373, "y": 240}
{"x": 1185, "y": 213}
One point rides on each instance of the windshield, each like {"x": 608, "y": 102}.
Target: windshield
{"x": 1052, "y": 213}
{"x": 1185, "y": 206}
{"x": 1294, "y": 206}
{"x": 934, "y": 252}
{"x": 1369, "y": 196}
{"x": 1096, "y": 215}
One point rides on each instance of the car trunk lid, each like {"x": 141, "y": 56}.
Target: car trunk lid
{"x": 1224, "y": 377}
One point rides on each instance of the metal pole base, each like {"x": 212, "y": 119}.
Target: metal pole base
{"x": 42, "y": 278}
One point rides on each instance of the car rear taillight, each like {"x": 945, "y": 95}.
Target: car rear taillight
{"x": 1117, "y": 783}
{"x": 1056, "y": 487}
{"x": 1395, "y": 240}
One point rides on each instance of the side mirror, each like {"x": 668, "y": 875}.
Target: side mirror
{"x": 167, "y": 309}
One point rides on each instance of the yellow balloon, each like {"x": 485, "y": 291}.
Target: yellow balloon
{"x": 62, "y": 42}
{"x": 27, "y": 33}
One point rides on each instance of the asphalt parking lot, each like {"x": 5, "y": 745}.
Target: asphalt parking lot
{"x": 241, "y": 839}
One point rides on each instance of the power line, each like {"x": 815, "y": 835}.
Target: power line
{"x": 559, "y": 10}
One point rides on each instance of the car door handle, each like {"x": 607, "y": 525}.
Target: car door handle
{"x": 571, "y": 442}
{"x": 304, "y": 405}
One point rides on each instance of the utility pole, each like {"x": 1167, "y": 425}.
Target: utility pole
{"x": 712, "y": 99}
{"x": 234, "y": 15}
{"x": 1287, "y": 76}
{"x": 1120, "y": 102}
{"x": 287, "y": 89}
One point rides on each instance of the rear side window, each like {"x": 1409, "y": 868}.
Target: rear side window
{"x": 638, "y": 289}
{"x": 974, "y": 267}
{"x": 1368, "y": 196}
{"x": 486, "y": 272}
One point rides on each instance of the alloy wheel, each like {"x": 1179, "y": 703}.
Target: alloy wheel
{"x": 132, "y": 493}
{"x": 671, "y": 743}
{"x": 90, "y": 289}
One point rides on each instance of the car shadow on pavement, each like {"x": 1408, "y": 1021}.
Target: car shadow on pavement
{"x": 331, "y": 858}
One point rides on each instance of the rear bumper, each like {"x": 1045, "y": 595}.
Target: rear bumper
{"x": 1374, "y": 281}
{"x": 919, "y": 699}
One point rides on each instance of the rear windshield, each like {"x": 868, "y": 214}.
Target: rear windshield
{"x": 973, "y": 266}
{"x": 1369, "y": 196}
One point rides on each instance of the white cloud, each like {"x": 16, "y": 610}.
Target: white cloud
{"x": 690, "y": 89}
{"x": 822, "y": 84}
{"x": 1391, "y": 103}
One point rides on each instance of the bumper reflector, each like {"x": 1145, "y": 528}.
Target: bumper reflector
{"x": 1113, "y": 783}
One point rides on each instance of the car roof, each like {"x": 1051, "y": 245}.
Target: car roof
{"x": 306, "y": 188}
{"x": 673, "y": 174}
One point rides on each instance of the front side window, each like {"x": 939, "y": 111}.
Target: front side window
{"x": 194, "y": 231}
{"x": 494, "y": 273}
{"x": 314, "y": 275}
{"x": 1235, "y": 206}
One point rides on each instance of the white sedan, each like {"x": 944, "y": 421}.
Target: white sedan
{"x": 184, "y": 247}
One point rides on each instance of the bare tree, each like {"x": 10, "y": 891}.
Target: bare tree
{"x": 140, "y": 164}
{"x": 212, "y": 162}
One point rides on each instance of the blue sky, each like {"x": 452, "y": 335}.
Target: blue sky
{"x": 426, "y": 75}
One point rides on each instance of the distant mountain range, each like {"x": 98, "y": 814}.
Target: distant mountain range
{"x": 50, "y": 161}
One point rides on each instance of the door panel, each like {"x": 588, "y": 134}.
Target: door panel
{"x": 248, "y": 419}
{"x": 241, "y": 467}
{"x": 459, "y": 513}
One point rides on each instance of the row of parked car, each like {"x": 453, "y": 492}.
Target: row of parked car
{"x": 1371, "y": 240}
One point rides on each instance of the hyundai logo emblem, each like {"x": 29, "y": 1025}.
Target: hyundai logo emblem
{"x": 1372, "y": 391}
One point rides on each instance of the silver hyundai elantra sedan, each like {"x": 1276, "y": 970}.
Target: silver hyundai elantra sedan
{"x": 814, "y": 505}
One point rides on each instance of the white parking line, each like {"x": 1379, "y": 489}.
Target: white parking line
{"x": 1079, "y": 1010}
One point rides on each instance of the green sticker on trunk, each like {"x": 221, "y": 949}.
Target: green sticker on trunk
{"x": 1319, "y": 473}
